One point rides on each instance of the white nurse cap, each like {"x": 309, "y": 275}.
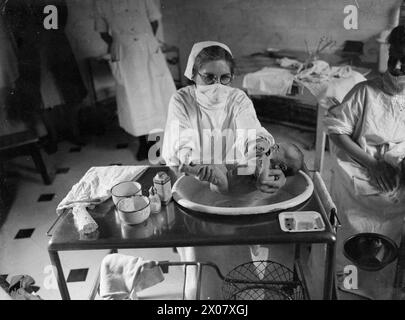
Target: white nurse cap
{"x": 197, "y": 48}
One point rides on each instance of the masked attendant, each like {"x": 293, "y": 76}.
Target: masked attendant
{"x": 370, "y": 121}
{"x": 200, "y": 117}
{"x": 144, "y": 83}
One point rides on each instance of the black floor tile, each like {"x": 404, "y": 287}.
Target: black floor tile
{"x": 62, "y": 170}
{"x": 4, "y": 276}
{"x": 115, "y": 164}
{"x": 75, "y": 149}
{"x": 77, "y": 275}
{"x": 122, "y": 145}
{"x": 24, "y": 233}
{"x": 46, "y": 197}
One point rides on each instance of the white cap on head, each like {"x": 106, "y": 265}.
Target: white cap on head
{"x": 197, "y": 48}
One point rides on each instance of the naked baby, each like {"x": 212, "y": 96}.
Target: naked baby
{"x": 228, "y": 179}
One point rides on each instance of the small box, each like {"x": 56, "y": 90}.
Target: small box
{"x": 301, "y": 221}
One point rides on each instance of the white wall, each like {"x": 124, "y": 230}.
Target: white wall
{"x": 247, "y": 26}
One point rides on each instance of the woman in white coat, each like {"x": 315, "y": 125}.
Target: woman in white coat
{"x": 144, "y": 82}
{"x": 200, "y": 117}
{"x": 369, "y": 123}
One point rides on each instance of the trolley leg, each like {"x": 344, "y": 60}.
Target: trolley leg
{"x": 64, "y": 292}
{"x": 185, "y": 282}
{"x": 199, "y": 274}
{"x": 329, "y": 271}
{"x": 297, "y": 255}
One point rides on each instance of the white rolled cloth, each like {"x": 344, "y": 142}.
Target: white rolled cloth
{"x": 84, "y": 221}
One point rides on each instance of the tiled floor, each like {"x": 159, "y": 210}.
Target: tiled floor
{"x": 23, "y": 239}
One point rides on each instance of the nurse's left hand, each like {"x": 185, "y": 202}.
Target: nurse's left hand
{"x": 272, "y": 181}
{"x": 207, "y": 173}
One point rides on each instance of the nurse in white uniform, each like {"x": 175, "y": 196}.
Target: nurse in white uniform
{"x": 144, "y": 81}
{"x": 369, "y": 123}
{"x": 211, "y": 108}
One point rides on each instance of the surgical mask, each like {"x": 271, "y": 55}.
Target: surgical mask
{"x": 213, "y": 95}
{"x": 393, "y": 85}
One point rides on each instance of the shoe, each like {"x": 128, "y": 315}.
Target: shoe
{"x": 49, "y": 146}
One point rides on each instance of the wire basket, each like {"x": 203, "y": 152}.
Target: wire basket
{"x": 262, "y": 280}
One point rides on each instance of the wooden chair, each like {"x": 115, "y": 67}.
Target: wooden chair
{"x": 17, "y": 139}
{"x": 22, "y": 143}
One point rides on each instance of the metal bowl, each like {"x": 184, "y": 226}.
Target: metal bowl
{"x": 370, "y": 251}
{"x": 134, "y": 210}
{"x": 125, "y": 189}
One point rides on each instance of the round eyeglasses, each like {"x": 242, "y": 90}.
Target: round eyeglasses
{"x": 209, "y": 78}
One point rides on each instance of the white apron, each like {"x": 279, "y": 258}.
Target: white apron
{"x": 144, "y": 83}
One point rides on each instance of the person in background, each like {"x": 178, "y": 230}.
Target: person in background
{"x": 371, "y": 118}
{"x": 196, "y": 113}
{"x": 144, "y": 82}
{"x": 57, "y": 56}
{"x": 8, "y": 62}
{"x": 24, "y": 100}
{"x": 38, "y": 48}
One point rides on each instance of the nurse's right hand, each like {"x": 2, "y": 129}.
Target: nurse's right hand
{"x": 383, "y": 175}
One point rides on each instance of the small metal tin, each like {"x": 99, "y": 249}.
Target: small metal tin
{"x": 163, "y": 186}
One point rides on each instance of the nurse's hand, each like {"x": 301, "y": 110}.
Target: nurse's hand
{"x": 272, "y": 181}
{"x": 383, "y": 176}
{"x": 207, "y": 173}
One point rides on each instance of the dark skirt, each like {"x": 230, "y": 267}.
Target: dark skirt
{"x": 63, "y": 65}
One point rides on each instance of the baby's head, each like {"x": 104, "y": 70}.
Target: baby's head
{"x": 287, "y": 157}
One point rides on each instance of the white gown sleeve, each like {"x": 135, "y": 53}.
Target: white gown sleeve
{"x": 100, "y": 21}
{"x": 249, "y": 129}
{"x": 153, "y": 10}
{"x": 179, "y": 142}
{"x": 343, "y": 118}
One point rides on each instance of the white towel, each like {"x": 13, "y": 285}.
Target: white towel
{"x": 96, "y": 184}
{"x": 122, "y": 276}
{"x": 269, "y": 81}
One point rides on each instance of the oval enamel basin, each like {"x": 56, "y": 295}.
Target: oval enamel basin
{"x": 195, "y": 195}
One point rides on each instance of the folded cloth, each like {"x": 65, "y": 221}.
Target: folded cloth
{"x": 289, "y": 63}
{"x": 319, "y": 70}
{"x": 122, "y": 276}
{"x": 96, "y": 184}
{"x": 269, "y": 81}
{"x": 331, "y": 90}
